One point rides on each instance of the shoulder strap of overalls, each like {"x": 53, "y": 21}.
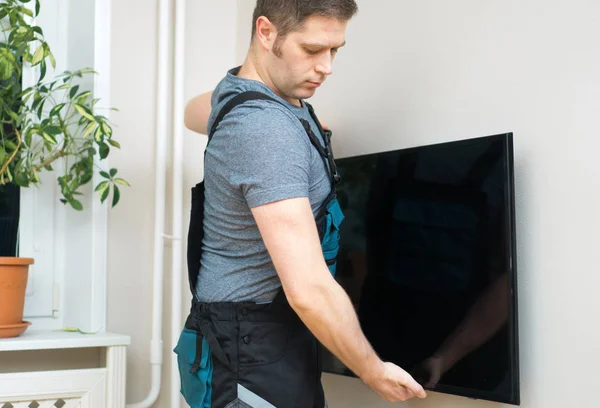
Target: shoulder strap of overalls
{"x": 327, "y": 155}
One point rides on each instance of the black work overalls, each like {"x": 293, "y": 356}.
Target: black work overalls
{"x": 244, "y": 354}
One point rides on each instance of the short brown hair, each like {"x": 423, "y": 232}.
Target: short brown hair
{"x": 290, "y": 15}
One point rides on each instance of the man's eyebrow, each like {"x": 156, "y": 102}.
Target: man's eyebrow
{"x": 321, "y": 45}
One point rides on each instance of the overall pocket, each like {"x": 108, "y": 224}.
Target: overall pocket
{"x": 195, "y": 368}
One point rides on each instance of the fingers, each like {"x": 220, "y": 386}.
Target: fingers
{"x": 398, "y": 393}
{"x": 417, "y": 389}
{"x": 397, "y": 385}
{"x": 411, "y": 385}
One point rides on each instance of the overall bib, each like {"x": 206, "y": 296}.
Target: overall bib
{"x": 246, "y": 354}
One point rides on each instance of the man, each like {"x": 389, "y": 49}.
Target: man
{"x": 264, "y": 224}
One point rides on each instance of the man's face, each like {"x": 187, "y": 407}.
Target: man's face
{"x": 299, "y": 63}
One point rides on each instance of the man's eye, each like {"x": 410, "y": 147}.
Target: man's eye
{"x": 311, "y": 52}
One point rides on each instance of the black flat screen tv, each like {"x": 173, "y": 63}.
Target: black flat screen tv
{"x": 428, "y": 258}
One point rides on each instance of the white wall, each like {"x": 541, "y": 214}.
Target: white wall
{"x": 133, "y": 92}
{"x": 413, "y": 72}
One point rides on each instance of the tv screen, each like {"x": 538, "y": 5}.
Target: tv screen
{"x": 427, "y": 256}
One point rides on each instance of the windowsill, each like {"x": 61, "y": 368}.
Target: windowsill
{"x": 51, "y": 340}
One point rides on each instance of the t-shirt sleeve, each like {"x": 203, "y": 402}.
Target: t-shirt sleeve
{"x": 269, "y": 157}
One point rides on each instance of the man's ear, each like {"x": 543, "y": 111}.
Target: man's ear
{"x": 266, "y": 32}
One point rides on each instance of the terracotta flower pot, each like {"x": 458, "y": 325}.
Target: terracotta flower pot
{"x": 13, "y": 282}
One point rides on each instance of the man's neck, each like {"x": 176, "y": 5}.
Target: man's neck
{"x": 251, "y": 69}
{"x": 248, "y": 70}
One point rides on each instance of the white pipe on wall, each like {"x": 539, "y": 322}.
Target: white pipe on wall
{"x": 176, "y": 265}
{"x": 162, "y": 134}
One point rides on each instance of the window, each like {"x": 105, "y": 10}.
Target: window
{"x": 67, "y": 285}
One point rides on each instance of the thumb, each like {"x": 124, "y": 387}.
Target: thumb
{"x": 415, "y": 387}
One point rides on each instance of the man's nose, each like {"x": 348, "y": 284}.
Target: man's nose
{"x": 324, "y": 66}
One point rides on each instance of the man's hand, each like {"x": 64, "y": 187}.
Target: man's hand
{"x": 393, "y": 383}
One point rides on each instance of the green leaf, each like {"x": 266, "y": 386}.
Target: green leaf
{"x": 75, "y": 330}
{"x": 49, "y": 138}
{"x": 116, "y": 195}
{"x": 21, "y": 179}
{"x": 37, "y": 99}
{"x": 86, "y": 178}
{"x": 38, "y": 56}
{"x": 104, "y": 150}
{"x": 122, "y": 182}
{"x": 56, "y": 110}
{"x": 85, "y": 112}
{"x": 41, "y": 109}
{"x": 114, "y": 143}
{"x": 42, "y": 70}
{"x": 13, "y": 115}
{"x": 98, "y": 134}
{"x": 88, "y": 130}
{"x": 8, "y": 174}
{"x": 6, "y": 68}
{"x": 69, "y": 329}
{"x": 113, "y": 172}
{"x": 76, "y": 204}
{"x": 26, "y": 95}
{"x": 104, "y": 194}
{"x": 46, "y": 49}
{"x": 37, "y": 7}
{"x": 52, "y": 60}
{"x": 101, "y": 185}
{"x": 25, "y": 10}
{"x": 54, "y": 130}
{"x": 105, "y": 175}
{"x": 83, "y": 96}
{"x": 73, "y": 91}
{"x": 106, "y": 129}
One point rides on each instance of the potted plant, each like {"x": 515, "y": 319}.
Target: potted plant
{"x": 51, "y": 125}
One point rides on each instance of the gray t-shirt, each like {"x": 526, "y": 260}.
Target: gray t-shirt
{"x": 259, "y": 154}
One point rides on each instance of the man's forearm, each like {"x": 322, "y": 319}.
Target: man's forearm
{"x": 328, "y": 313}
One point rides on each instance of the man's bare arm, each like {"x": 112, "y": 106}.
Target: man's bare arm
{"x": 197, "y": 112}
{"x": 290, "y": 235}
